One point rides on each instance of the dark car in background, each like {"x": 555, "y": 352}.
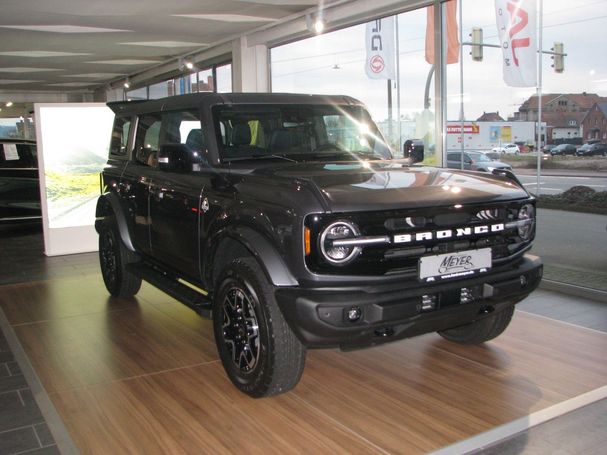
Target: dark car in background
{"x": 592, "y": 149}
{"x": 474, "y": 161}
{"x": 547, "y": 148}
{"x": 19, "y": 185}
{"x": 563, "y": 149}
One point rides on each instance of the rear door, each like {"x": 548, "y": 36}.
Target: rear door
{"x": 175, "y": 192}
{"x": 137, "y": 178}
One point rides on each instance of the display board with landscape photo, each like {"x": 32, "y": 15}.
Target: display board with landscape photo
{"x": 75, "y": 141}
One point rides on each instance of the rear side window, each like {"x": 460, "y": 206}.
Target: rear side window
{"x": 120, "y": 136}
{"x": 147, "y": 139}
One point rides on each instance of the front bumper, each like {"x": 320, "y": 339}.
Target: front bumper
{"x": 320, "y": 316}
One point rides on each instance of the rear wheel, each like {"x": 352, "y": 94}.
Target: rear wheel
{"x": 482, "y": 330}
{"x": 258, "y": 350}
{"x": 113, "y": 259}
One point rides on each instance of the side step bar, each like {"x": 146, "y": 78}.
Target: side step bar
{"x": 197, "y": 301}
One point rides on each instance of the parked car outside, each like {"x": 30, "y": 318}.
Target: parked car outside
{"x": 547, "y": 148}
{"x": 495, "y": 156}
{"x": 474, "y": 161}
{"x": 508, "y": 149}
{"x": 19, "y": 186}
{"x": 591, "y": 149}
{"x": 563, "y": 149}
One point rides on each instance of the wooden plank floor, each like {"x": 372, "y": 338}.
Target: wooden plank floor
{"x": 142, "y": 376}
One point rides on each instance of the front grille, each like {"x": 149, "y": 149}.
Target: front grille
{"x": 402, "y": 258}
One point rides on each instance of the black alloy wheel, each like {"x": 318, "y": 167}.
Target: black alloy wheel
{"x": 259, "y": 352}
{"x": 241, "y": 330}
{"x": 113, "y": 260}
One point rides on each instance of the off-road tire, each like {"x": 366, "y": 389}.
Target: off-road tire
{"x": 482, "y": 330}
{"x": 113, "y": 259}
{"x": 259, "y": 352}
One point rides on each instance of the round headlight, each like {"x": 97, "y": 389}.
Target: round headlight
{"x": 332, "y": 250}
{"x": 526, "y": 221}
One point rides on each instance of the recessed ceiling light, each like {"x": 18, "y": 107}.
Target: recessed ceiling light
{"x": 94, "y": 75}
{"x": 166, "y": 44}
{"x": 227, "y": 17}
{"x": 64, "y": 29}
{"x": 15, "y": 81}
{"x": 27, "y": 70}
{"x": 9, "y": 104}
{"x": 284, "y": 2}
{"x": 40, "y": 54}
{"x": 72, "y": 84}
{"x": 125, "y": 62}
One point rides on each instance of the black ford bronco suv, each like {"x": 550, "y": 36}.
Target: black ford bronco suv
{"x": 287, "y": 220}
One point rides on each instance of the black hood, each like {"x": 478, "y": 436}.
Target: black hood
{"x": 386, "y": 185}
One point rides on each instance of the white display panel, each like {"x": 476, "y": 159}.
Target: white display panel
{"x": 73, "y": 141}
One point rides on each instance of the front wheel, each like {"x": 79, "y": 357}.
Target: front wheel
{"x": 258, "y": 350}
{"x": 113, "y": 259}
{"x": 482, "y": 330}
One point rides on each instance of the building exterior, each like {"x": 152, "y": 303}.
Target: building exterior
{"x": 491, "y": 117}
{"x": 594, "y": 123}
{"x": 487, "y": 135}
{"x": 562, "y": 113}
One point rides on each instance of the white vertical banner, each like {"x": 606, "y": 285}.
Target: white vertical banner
{"x": 379, "y": 42}
{"x": 516, "y": 25}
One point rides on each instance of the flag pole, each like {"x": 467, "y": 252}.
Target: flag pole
{"x": 398, "y": 81}
{"x": 461, "y": 84}
{"x": 539, "y": 98}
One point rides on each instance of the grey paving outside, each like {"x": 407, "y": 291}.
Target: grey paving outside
{"x": 579, "y": 432}
{"x": 573, "y": 310}
{"x": 573, "y": 247}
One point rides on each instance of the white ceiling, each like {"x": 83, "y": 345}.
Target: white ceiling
{"x": 80, "y": 45}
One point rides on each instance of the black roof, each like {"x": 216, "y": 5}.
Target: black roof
{"x": 209, "y": 98}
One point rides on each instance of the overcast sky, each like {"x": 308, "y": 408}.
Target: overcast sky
{"x": 333, "y": 62}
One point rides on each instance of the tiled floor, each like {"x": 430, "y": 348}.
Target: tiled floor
{"x": 22, "y": 426}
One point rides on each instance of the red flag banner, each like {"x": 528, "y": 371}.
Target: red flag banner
{"x": 516, "y": 25}
{"x": 452, "y": 33}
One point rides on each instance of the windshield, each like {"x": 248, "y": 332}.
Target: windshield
{"x": 298, "y": 133}
{"x": 479, "y": 157}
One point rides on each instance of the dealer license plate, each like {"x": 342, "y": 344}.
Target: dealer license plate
{"x": 449, "y": 266}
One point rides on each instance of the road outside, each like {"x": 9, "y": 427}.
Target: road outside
{"x": 555, "y": 184}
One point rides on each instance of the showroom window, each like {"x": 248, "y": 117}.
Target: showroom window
{"x": 217, "y": 78}
{"x": 224, "y": 78}
{"x": 137, "y": 94}
{"x": 335, "y": 63}
{"x": 485, "y": 114}
{"x": 571, "y": 236}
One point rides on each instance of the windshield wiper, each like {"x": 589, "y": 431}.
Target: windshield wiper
{"x": 259, "y": 157}
{"x": 351, "y": 155}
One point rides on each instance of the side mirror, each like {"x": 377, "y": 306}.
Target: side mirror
{"x": 176, "y": 158}
{"x": 414, "y": 151}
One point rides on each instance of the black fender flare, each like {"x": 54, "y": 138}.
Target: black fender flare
{"x": 261, "y": 248}
{"x": 112, "y": 201}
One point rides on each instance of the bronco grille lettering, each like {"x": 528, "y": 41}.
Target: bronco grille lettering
{"x": 449, "y": 233}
